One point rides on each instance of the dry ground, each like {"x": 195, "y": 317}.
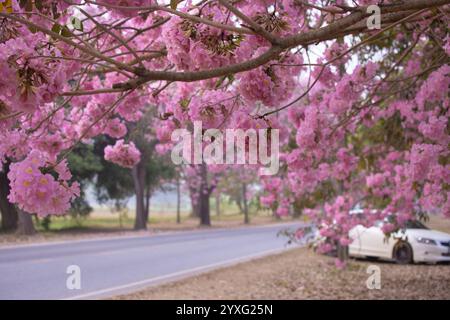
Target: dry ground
{"x": 303, "y": 274}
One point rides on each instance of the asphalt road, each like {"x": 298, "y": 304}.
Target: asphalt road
{"x": 124, "y": 264}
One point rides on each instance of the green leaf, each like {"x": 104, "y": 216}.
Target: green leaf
{"x": 39, "y": 5}
{"x": 22, "y": 3}
{"x": 29, "y": 6}
{"x": 77, "y": 24}
{"x": 185, "y": 103}
{"x": 56, "y": 28}
{"x": 174, "y": 4}
{"x": 220, "y": 81}
{"x": 65, "y": 32}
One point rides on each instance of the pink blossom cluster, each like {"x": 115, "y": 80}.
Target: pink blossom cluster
{"x": 36, "y": 191}
{"x": 27, "y": 83}
{"x": 270, "y": 84}
{"x": 126, "y": 7}
{"x": 123, "y": 154}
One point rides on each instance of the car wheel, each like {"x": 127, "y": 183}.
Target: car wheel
{"x": 403, "y": 253}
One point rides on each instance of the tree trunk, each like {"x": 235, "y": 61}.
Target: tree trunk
{"x": 7, "y": 210}
{"x": 25, "y": 224}
{"x": 139, "y": 181}
{"x": 178, "y": 201}
{"x": 217, "y": 203}
{"x": 275, "y": 215}
{"x": 148, "y": 196}
{"x": 342, "y": 252}
{"x": 195, "y": 202}
{"x": 205, "y": 219}
{"x": 298, "y": 209}
{"x": 244, "y": 200}
{"x": 239, "y": 204}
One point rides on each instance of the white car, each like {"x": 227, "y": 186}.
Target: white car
{"x": 416, "y": 243}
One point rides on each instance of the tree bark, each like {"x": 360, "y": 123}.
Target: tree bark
{"x": 217, "y": 203}
{"x": 7, "y": 210}
{"x": 239, "y": 204}
{"x": 138, "y": 173}
{"x": 148, "y": 196}
{"x": 205, "y": 219}
{"x": 25, "y": 224}
{"x": 244, "y": 200}
{"x": 342, "y": 252}
{"x": 195, "y": 202}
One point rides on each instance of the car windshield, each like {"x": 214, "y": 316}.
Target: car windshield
{"x": 415, "y": 225}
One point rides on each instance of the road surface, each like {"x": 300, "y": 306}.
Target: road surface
{"x": 125, "y": 264}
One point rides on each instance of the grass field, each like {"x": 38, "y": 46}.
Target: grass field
{"x": 103, "y": 218}
{"x": 103, "y": 222}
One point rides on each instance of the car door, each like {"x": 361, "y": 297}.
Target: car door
{"x": 354, "y": 248}
{"x": 374, "y": 242}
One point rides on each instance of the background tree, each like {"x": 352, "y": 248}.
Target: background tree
{"x": 8, "y": 211}
{"x": 238, "y": 183}
{"x": 151, "y": 172}
{"x": 85, "y": 166}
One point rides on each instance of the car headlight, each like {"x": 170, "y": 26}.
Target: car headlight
{"x": 426, "y": 241}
